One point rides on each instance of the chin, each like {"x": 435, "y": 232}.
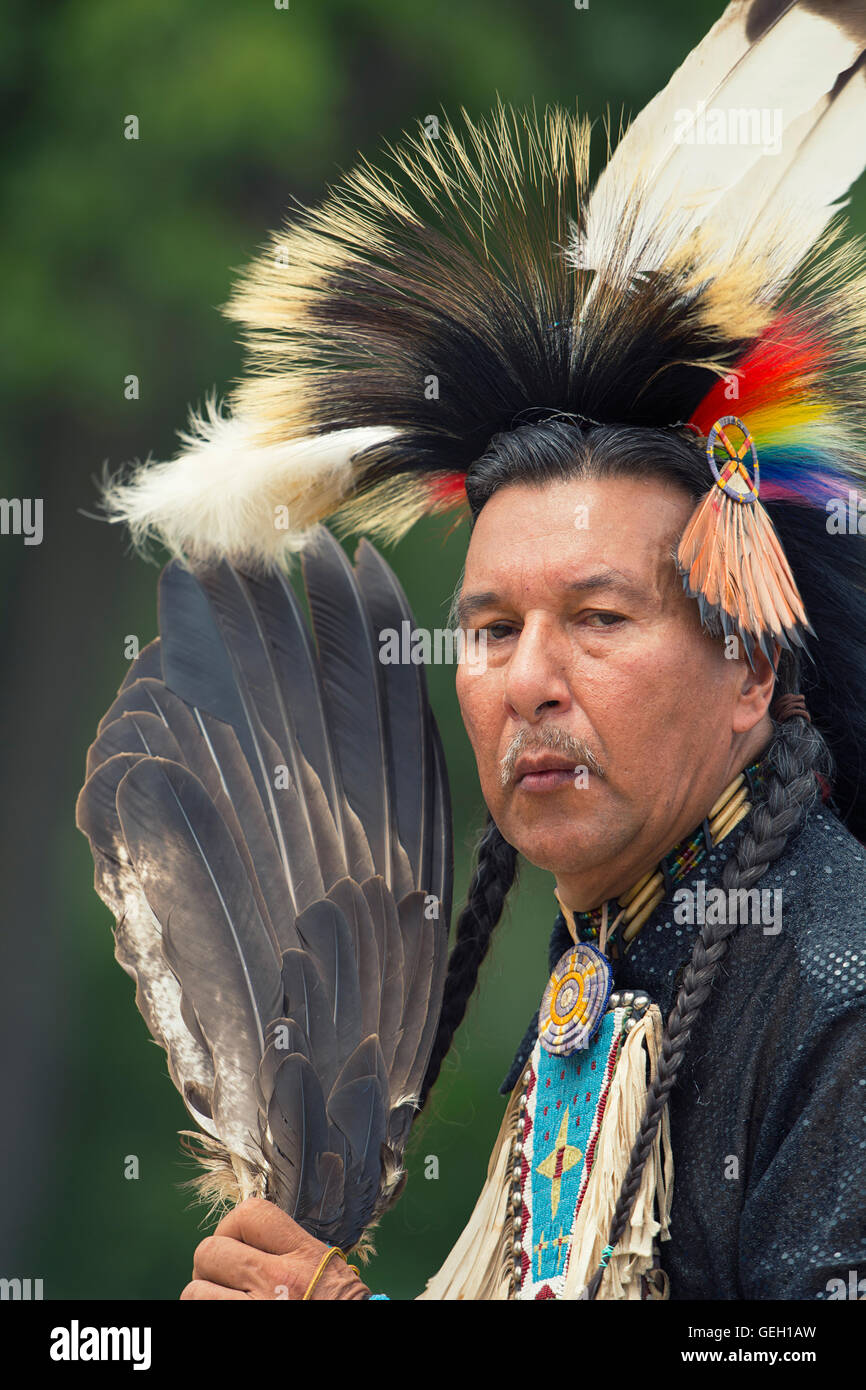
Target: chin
{"x": 557, "y": 844}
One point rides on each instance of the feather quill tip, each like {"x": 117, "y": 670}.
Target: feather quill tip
{"x": 732, "y": 562}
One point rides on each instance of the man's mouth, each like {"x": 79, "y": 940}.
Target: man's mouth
{"x": 544, "y": 772}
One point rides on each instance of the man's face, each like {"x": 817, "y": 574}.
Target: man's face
{"x": 605, "y": 719}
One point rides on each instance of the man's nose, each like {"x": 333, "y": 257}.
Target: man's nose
{"x": 536, "y": 682}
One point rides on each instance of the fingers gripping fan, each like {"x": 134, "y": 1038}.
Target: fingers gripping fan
{"x": 268, "y": 812}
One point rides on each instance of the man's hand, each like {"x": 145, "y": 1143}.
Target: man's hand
{"x": 257, "y": 1252}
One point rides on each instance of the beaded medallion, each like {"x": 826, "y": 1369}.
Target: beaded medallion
{"x": 575, "y": 1000}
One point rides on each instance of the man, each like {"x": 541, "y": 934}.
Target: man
{"x": 589, "y": 634}
{"x": 653, "y": 575}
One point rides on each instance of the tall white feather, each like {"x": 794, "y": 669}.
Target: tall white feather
{"x": 824, "y": 154}
{"x": 670, "y": 157}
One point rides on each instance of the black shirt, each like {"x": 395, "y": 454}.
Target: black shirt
{"x": 768, "y": 1115}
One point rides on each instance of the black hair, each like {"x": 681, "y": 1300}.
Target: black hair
{"x": 831, "y": 574}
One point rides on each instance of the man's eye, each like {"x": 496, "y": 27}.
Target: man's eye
{"x": 604, "y": 619}
{"x": 499, "y": 631}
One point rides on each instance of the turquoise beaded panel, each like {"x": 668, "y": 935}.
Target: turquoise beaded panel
{"x": 566, "y": 1100}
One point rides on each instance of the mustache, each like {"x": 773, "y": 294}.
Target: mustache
{"x": 550, "y": 737}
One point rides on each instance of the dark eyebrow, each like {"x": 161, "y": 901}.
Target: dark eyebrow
{"x": 470, "y": 604}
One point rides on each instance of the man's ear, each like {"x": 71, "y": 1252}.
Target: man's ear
{"x": 756, "y": 690}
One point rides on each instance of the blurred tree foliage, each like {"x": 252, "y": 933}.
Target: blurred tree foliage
{"x": 117, "y": 254}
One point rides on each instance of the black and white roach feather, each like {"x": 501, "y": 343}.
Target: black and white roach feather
{"x": 269, "y": 817}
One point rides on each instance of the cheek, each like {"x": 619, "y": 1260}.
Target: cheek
{"x": 480, "y": 702}
{"x": 645, "y": 697}
{"x": 665, "y": 696}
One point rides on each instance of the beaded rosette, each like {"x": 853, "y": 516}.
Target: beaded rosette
{"x": 575, "y": 1000}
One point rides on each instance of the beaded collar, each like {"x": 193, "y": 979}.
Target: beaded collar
{"x": 626, "y": 915}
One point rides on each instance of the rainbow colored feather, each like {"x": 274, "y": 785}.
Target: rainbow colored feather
{"x": 789, "y": 390}
{"x": 809, "y": 448}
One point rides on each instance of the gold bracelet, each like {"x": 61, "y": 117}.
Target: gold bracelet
{"x": 323, "y": 1262}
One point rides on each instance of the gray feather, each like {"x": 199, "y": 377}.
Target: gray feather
{"x": 214, "y": 938}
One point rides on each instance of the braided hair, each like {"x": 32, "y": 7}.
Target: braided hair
{"x": 495, "y": 872}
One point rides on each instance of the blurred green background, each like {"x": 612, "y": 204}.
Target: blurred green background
{"x": 116, "y": 256}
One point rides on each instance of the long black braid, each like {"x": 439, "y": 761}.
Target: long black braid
{"x": 797, "y": 753}
{"x": 495, "y": 872}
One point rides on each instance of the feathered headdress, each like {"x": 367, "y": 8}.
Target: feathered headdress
{"x": 424, "y": 305}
